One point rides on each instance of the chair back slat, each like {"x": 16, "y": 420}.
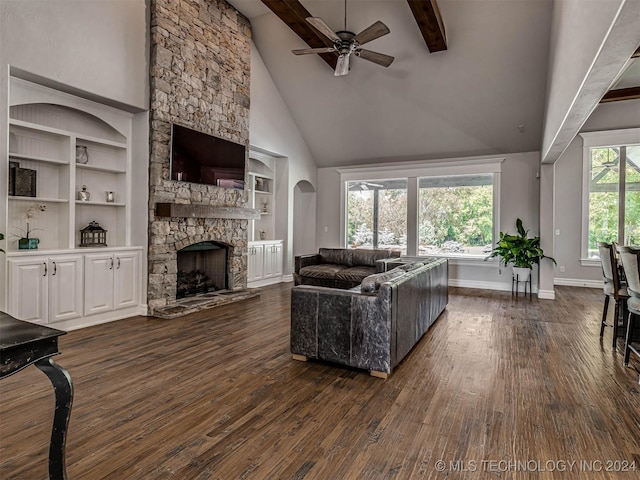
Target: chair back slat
{"x": 630, "y": 257}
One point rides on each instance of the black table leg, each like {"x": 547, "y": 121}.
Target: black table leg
{"x": 64, "y": 398}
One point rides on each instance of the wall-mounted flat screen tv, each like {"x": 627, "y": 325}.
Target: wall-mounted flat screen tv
{"x": 197, "y": 157}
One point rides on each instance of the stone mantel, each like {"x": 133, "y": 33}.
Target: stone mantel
{"x": 187, "y": 210}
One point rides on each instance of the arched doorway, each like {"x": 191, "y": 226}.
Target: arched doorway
{"x": 304, "y": 218}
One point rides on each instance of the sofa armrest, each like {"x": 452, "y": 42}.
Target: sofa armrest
{"x": 386, "y": 264}
{"x": 306, "y": 260}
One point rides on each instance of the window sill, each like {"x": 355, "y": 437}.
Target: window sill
{"x": 590, "y": 262}
{"x": 463, "y": 260}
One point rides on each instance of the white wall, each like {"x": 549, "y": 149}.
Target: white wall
{"x": 272, "y": 130}
{"x": 568, "y": 191}
{"x": 519, "y": 198}
{"x": 98, "y": 46}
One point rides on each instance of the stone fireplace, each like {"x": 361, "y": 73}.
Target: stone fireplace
{"x": 199, "y": 77}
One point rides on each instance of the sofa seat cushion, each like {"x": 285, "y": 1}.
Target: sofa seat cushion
{"x": 355, "y": 274}
{"x": 323, "y": 270}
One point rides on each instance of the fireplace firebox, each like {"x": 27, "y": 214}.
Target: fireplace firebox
{"x": 202, "y": 268}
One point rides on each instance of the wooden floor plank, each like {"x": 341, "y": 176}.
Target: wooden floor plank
{"x": 217, "y": 395}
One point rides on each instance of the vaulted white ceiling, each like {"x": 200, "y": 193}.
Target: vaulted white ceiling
{"x": 484, "y": 95}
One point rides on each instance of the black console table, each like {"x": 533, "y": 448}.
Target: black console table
{"x": 24, "y": 343}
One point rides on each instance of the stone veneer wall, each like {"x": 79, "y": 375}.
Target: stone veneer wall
{"x": 199, "y": 69}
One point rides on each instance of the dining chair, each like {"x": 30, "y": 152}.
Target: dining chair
{"x": 613, "y": 288}
{"x": 631, "y": 261}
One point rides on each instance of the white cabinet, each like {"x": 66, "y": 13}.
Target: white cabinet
{"x": 264, "y": 262}
{"x": 273, "y": 260}
{"x": 111, "y": 281}
{"x": 45, "y": 289}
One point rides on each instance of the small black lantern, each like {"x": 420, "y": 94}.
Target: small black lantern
{"x": 93, "y": 235}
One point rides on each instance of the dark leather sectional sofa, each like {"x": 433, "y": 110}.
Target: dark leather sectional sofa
{"x": 374, "y": 325}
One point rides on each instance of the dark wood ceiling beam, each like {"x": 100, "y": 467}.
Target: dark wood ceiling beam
{"x": 630, "y": 93}
{"x": 294, "y": 15}
{"x": 427, "y": 15}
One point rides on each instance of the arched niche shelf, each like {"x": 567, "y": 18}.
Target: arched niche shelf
{"x": 66, "y": 118}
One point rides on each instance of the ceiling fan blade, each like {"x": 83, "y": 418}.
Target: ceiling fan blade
{"x": 307, "y": 51}
{"x": 376, "y": 30}
{"x": 323, "y": 28}
{"x": 342, "y": 68}
{"x": 375, "y": 57}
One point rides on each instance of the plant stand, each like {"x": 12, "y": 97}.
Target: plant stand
{"x": 515, "y": 283}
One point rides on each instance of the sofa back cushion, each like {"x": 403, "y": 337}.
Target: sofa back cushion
{"x": 368, "y": 257}
{"x": 336, "y": 256}
{"x": 372, "y": 283}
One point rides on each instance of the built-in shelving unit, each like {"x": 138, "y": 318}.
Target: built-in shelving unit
{"x": 261, "y": 195}
{"x": 49, "y": 133}
{"x": 265, "y": 252}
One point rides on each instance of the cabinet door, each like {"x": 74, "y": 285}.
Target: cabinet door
{"x": 277, "y": 259}
{"x": 98, "y": 283}
{"x": 255, "y": 263}
{"x": 127, "y": 279}
{"x": 273, "y": 260}
{"x": 65, "y": 287}
{"x": 28, "y": 289}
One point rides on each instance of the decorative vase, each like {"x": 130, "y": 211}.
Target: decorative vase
{"x": 28, "y": 243}
{"x": 82, "y": 155}
{"x": 83, "y": 195}
{"x": 110, "y": 197}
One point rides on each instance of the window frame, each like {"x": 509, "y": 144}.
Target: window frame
{"x": 607, "y": 138}
{"x": 412, "y": 172}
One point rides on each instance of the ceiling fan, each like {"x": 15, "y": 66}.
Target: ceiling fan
{"x": 364, "y": 185}
{"x": 346, "y": 43}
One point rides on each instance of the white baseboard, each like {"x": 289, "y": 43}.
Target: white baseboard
{"x": 457, "y": 282}
{"x": 547, "y": 294}
{"x": 503, "y": 287}
{"x": 577, "y": 282}
{"x": 287, "y": 278}
{"x": 99, "y": 318}
{"x": 265, "y": 282}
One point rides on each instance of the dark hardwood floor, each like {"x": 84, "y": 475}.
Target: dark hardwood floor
{"x": 506, "y": 387}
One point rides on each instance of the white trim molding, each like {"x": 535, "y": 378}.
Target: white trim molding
{"x": 578, "y": 282}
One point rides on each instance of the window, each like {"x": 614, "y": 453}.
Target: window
{"x": 377, "y": 214}
{"x": 455, "y": 214}
{"x": 445, "y": 208}
{"x": 611, "y": 207}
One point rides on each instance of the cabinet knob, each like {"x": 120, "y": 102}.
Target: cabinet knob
{"x": 55, "y": 268}
{"x": 118, "y": 267}
{"x": 45, "y": 269}
{"x": 111, "y": 267}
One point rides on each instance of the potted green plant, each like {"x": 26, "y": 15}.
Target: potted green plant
{"x": 25, "y": 241}
{"x": 519, "y": 250}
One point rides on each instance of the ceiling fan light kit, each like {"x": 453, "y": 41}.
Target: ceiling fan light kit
{"x": 346, "y": 43}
